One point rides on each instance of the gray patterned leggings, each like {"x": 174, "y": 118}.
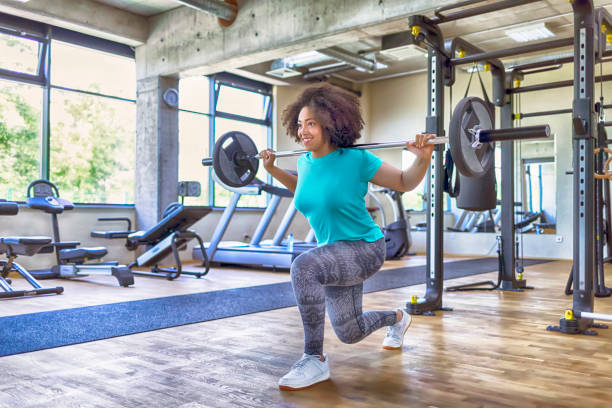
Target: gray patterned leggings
{"x": 332, "y": 275}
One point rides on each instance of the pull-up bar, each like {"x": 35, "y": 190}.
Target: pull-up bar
{"x": 554, "y": 112}
{"x": 523, "y": 49}
{"x": 474, "y": 11}
{"x": 552, "y": 85}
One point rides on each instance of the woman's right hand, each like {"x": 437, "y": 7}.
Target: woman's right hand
{"x": 268, "y": 158}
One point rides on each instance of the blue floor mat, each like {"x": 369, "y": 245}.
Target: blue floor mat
{"x": 37, "y": 331}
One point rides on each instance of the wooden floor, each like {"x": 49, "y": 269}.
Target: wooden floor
{"x": 492, "y": 350}
{"x": 102, "y": 289}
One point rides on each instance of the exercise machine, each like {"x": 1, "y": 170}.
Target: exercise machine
{"x": 13, "y": 247}
{"x": 170, "y": 235}
{"x": 73, "y": 261}
{"x": 274, "y": 254}
{"x": 397, "y": 233}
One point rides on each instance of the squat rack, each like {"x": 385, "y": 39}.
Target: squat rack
{"x": 440, "y": 70}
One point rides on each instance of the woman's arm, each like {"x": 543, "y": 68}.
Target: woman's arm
{"x": 287, "y": 179}
{"x": 408, "y": 179}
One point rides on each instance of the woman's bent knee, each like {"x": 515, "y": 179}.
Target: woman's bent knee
{"x": 349, "y": 337}
{"x": 348, "y": 332}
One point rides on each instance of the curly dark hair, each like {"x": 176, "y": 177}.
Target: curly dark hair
{"x": 336, "y": 110}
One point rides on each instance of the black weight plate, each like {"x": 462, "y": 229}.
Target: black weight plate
{"x": 471, "y": 112}
{"x": 230, "y": 159}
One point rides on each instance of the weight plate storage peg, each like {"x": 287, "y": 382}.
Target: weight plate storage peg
{"x": 234, "y": 159}
{"x": 471, "y": 156}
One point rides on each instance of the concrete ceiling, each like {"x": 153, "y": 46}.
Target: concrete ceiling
{"x": 144, "y": 8}
{"x": 485, "y": 31}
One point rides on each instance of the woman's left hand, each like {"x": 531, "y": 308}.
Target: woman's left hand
{"x": 420, "y": 147}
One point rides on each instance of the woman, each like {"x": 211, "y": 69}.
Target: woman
{"x": 330, "y": 191}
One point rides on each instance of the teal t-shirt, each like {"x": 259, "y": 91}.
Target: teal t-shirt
{"x": 331, "y": 194}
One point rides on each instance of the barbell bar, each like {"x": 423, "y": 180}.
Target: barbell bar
{"x": 365, "y": 146}
{"x": 471, "y": 138}
{"x": 480, "y": 136}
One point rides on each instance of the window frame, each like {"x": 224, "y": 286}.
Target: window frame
{"x": 245, "y": 84}
{"x": 44, "y": 34}
{"x": 30, "y": 30}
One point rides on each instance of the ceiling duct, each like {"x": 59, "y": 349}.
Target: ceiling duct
{"x": 353, "y": 59}
{"x": 401, "y": 46}
{"x": 283, "y": 68}
{"x": 314, "y": 74}
{"x": 221, "y": 9}
{"x": 290, "y": 66}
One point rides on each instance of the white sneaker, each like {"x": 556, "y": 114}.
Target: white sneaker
{"x": 395, "y": 334}
{"x": 306, "y": 372}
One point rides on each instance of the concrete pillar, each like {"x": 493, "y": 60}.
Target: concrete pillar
{"x": 156, "y": 178}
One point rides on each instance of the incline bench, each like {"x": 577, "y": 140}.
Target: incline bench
{"x": 169, "y": 235}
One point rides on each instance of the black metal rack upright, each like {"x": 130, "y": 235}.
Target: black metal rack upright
{"x": 437, "y": 64}
{"x": 588, "y": 46}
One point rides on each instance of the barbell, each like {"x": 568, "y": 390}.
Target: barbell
{"x": 471, "y": 138}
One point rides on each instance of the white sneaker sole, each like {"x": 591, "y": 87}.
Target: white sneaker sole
{"x": 324, "y": 377}
{"x": 386, "y": 347}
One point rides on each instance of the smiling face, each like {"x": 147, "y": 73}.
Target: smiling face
{"x": 310, "y": 133}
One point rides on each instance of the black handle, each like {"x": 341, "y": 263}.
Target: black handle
{"x": 526, "y": 132}
{"x": 129, "y": 222}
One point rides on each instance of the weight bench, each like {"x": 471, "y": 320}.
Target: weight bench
{"x": 73, "y": 261}
{"x": 14, "y": 246}
{"x": 169, "y": 235}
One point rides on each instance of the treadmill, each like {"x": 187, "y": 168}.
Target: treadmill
{"x": 275, "y": 253}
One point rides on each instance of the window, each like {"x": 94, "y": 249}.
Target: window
{"x": 193, "y": 146}
{"x": 77, "y": 128}
{"x": 86, "y": 69}
{"x": 92, "y": 147}
{"x": 20, "y": 138}
{"x": 92, "y": 124}
{"x": 194, "y": 137}
{"x": 194, "y": 94}
{"x": 19, "y": 54}
{"x": 237, "y": 104}
{"x": 241, "y": 105}
{"x": 259, "y": 134}
{"x": 242, "y": 102}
